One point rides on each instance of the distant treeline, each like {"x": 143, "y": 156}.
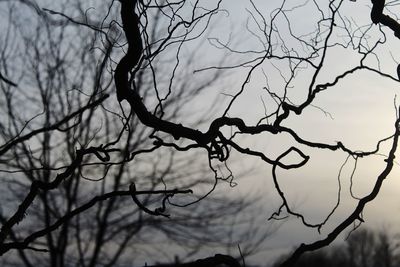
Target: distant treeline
{"x": 363, "y": 248}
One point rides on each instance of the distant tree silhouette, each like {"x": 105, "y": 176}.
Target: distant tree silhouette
{"x": 363, "y": 248}
{"x": 73, "y": 164}
{"x": 84, "y": 176}
{"x": 385, "y": 253}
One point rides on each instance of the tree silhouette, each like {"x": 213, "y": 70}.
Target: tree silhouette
{"x": 363, "y": 247}
{"x": 141, "y": 45}
{"x": 85, "y": 166}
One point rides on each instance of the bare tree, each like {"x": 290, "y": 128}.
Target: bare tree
{"x": 364, "y": 247}
{"x": 136, "y": 39}
{"x": 98, "y": 217}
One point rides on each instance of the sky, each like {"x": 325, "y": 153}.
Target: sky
{"x": 358, "y": 111}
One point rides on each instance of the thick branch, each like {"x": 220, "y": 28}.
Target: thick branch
{"x": 38, "y": 186}
{"x": 355, "y": 215}
{"x": 124, "y": 92}
{"x": 4, "y": 79}
{"x": 377, "y": 16}
{"x": 217, "y": 260}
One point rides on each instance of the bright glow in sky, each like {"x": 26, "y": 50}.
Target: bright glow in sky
{"x": 358, "y": 111}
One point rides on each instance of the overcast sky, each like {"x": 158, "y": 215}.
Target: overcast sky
{"x": 358, "y": 111}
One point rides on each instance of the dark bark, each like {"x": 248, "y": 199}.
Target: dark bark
{"x": 214, "y": 261}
